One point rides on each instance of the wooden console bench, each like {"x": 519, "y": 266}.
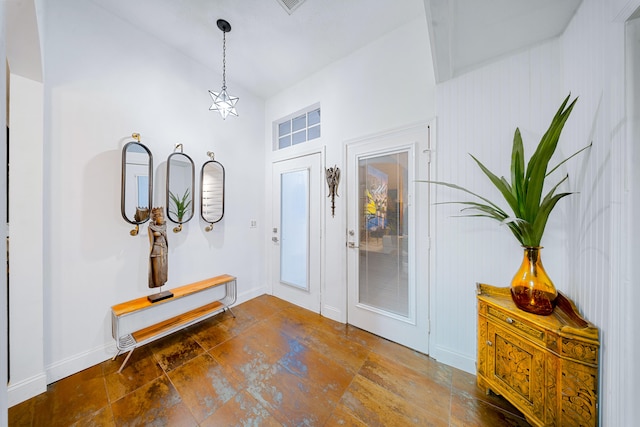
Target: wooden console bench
{"x": 137, "y": 322}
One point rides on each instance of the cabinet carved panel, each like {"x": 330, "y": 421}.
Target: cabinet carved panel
{"x": 546, "y": 366}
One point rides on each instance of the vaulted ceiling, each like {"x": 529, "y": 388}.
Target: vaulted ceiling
{"x": 269, "y": 48}
{"x": 466, "y": 34}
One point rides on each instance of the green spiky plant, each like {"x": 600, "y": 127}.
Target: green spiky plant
{"x": 181, "y": 204}
{"x": 524, "y": 193}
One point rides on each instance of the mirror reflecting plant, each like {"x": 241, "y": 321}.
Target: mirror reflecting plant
{"x": 180, "y": 187}
{"x": 181, "y": 205}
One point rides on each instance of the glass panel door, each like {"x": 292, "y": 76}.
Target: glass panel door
{"x": 384, "y": 257}
{"x": 387, "y": 236}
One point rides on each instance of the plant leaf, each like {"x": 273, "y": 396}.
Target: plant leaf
{"x": 517, "y": 171}
{"x": 569, "y": 158}
{"x": 537, "y": 167}
{"x": 500, "y": 185}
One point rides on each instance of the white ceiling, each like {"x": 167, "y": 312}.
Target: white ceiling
{"x": 466, "y": 34}
{"x": 269, "y": 50}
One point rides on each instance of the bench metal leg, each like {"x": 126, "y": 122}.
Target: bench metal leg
{"x": 126, "y": 360}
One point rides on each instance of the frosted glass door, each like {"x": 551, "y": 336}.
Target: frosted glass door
{"x": 294, "y": 228}
{"x": 295, "y": 231}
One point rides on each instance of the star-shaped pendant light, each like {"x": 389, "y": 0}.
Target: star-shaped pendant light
{"x": 224, "y": 103}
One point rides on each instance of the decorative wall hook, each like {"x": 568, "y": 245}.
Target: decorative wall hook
{"x": 136, "y": 136}
{"x": 333, "y": 179}
{"x": 178, "y": 147}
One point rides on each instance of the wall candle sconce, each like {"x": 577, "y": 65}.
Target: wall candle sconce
{"x": 333, "y": 179}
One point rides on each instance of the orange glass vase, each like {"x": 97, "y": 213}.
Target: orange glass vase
{"x": 531, "y": 289}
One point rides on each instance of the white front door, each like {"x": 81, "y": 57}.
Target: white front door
{"x": 296, "y": 229}
{"x": 387, "y": 246}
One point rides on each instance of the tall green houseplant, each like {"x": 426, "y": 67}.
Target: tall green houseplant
{"x": 530, "y": 210}
{"x": 524, "y": 193}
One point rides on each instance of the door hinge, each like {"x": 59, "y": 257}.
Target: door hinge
{"x": 427, "y": 153}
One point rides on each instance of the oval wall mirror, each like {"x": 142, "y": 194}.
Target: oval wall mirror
{"x": 137, "y": 184}
{"x": 212, "y": 192}
{"x": 180, "y": 183}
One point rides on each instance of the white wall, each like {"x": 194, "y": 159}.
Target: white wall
{"x": 387, "y": 84}
{"x": 103, "y": 80}
{"x": 631, "y": 318}
{"x": 3, "y": 229}
{"x": 593, "y": 50}
{"x": 26, "y": 248}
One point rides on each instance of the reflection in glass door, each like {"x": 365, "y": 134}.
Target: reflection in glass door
{"x": 383, "y": 279}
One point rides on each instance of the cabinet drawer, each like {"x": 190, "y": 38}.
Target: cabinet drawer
{"x": 515, "y": 324}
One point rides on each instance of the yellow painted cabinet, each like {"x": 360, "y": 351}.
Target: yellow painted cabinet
{"x": 546, "y": 366}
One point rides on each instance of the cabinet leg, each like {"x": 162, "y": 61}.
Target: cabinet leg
{"x": 482, "y": 385}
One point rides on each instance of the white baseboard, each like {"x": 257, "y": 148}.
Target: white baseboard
{"x": 251, "y": 294}
{"x": 452, "y": 358}
{"x": 26, "y": 389}
{"x": 333, "y": 314}
{"x": 78, "y": 362}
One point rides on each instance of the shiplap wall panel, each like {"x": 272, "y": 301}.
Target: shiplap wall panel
{"x": 593, "y": 49}
{"x": 478, "y": 113}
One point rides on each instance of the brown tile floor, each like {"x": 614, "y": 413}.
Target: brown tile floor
{"x": 275, "y": 364}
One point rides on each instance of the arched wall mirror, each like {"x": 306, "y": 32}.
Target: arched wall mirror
{"x": 136, "y": 195}
{"x": 180, "y": 185}
{"x": 211, "y": 192}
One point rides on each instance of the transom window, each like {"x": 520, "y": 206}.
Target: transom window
{"x": 298, "y": 128}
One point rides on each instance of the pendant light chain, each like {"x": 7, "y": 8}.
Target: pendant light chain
{"x": 224, "y": 60}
